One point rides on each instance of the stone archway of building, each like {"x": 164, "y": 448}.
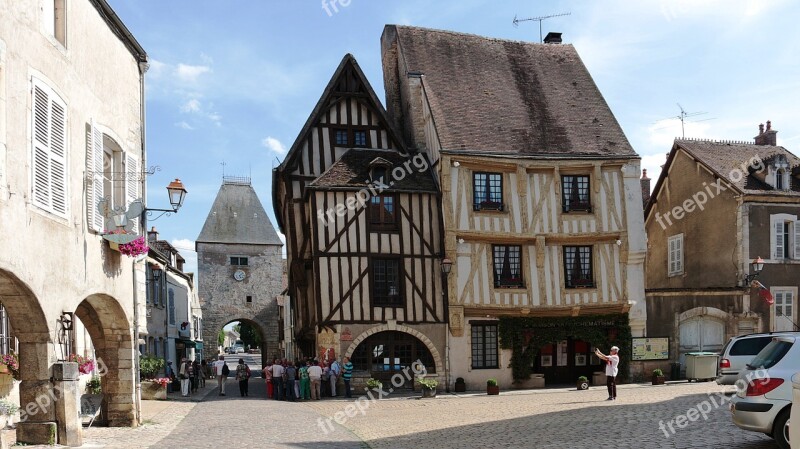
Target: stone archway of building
{"x": 29, "y": 325}
{"x": 437, "y": 360}
{"x": 265, "y": 355}
{"x": 111, "y": 334}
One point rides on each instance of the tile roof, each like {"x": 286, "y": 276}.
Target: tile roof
{"x": 237, "y": 217}
{"x": 511, "y": 97}
{"x": 730, "y": 159}
{"x": 352, "y": 171}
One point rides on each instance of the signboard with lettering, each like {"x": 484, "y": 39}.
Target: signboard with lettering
{"x": 650, "y": 348}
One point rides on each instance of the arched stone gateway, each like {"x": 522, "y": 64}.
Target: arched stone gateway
{"x": 111, "y": 334}
{"x": 391, "y": 334}
{"x": 268, "y": 351}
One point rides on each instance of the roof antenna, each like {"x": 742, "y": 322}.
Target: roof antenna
{"x": 223, "y": 169}
{"x": 683, "y": 116}
{"x": 538, "y": 19}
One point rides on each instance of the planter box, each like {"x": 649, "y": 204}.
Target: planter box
{"x": 659, "y": 380}
{"x": 427, "y": 393}
{"x": 152, "y": 391}
{"x": 582, "y": 385}
{"x": 495, "y": 390}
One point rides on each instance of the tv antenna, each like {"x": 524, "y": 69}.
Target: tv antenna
{"x": 684, "y": 115}
{"x": 538, "y": 19}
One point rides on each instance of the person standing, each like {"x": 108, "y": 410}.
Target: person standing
{"x": 195, "y": 375}
{"x": 183, "y": 372}
{"x": 277, "y": 379}
{"x": 169, "y": 372}
{"x": 267, "y": 373}
{"x": 305, "y": 382}
{"x": 290, "y": 374}
{"x": 347, "y": 374}
{"x": 315, "y": 376}
{"x": 221, "y": 369}
{"x": 243, "y": 376}
{"x": 612, "y": 368}
{"x": 203, "y": 373}
{"x": 335, "y": 371}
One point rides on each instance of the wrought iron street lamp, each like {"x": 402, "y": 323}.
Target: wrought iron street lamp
{"x": 756, "y": 266}
{"x": 177, "y": 193}
{"x": 447, "y": 265}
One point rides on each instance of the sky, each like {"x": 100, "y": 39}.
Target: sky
{"x": 233, "y": 81}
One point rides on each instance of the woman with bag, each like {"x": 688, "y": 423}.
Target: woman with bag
{"x": 242, "y": 375}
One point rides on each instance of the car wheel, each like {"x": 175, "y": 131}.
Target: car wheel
{"x": 781, "y": 430}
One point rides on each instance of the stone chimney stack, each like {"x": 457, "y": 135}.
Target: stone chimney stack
{"x": 768, "y": 137}
{"x": 152, "y": 235}
{"x": 645, "y": 182}
{"x": 553, "y": 38}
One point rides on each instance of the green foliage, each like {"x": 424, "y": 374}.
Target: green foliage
{"x": 491, "y": 383}
{"x": 374, "y": 383}
{"x": 249, "y": 335}
{"x": 429, "y": 384}
{"x": 583, "y": 379}
{"x": 221, "y": 337}
{"x": 658, "y": 373}
{"x": 7, "y": 407}
{"x": 93, "y": 386}
{"x": 149, "y": 366}
{"x": 525, "y": 336}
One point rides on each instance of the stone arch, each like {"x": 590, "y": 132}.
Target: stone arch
{"x": 437, "y": 359}
{"x": 700, "y": 328}
{"x": 108, "y": 326}
{"x": 703, "y": 311}
{"x": 267, "y": 353}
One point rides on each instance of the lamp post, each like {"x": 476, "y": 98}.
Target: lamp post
{"x": 756, "y": 265}
{"x": 446, "y": 266}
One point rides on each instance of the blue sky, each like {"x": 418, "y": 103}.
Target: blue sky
{"x": 234, "y": 81}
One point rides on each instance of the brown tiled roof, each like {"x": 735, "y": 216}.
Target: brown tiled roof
{"x": 510, "y": 97}
{"x": 727, "y": 160}
{"x": 352, "y": 171}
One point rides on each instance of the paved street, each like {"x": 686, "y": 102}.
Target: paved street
{"x": 558, "y": 418}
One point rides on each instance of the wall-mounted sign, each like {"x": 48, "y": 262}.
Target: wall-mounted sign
{"x": 650, "y": 348}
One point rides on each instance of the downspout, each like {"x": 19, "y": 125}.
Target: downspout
{"x": 143, "y": 66}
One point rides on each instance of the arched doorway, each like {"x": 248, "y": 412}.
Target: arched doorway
{"x": 112, "y": 338}
{"x": 387, "y": 353}
{"x": 701, "y": 330}
{"x": 249, "y": 336}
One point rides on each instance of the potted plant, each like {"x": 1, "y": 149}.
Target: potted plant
{"x": 374, "y": 387}
{"x": 492, "y": 388}
{"x": 7, "y": 411}
{"x": 658, "y": 377}
{"x": 9, "y": 364}
{"x": 93, "y": 386}
{"x": 461, "y": 386}
{"x": 428, "y": 387}
{"x": 583, "y": 383}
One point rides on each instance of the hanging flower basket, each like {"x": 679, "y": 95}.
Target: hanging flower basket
{"x": 9, "y": 364}
{"x": 85, "y": 364}
{"x": 131, "y": 245}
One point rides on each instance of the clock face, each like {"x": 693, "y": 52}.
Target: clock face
{"x": 239, "y": 275}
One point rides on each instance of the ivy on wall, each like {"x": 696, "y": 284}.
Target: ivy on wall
{"x": 525, "y": 336}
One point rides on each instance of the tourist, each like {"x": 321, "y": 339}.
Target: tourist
{"x": 277, "y": 379}
{"x": 243, "y": 376}
{"x": 305, "y": 382}
{"x": 169, "y": 372}
{"x": 183, "y": 372}
{"x": 326, "y": 379}
{"x": 334, "y": 373}
{"x": 195, "y": 375}
{"x": 203, "y": 373}
{"x": 612, "y": 368}
{"x": 347, "y": 374}
{"x": 289, "y": 376}
{"x": 267, "y": 374}
{"x": 315, "y": 376}
{"x": 297, "y": 366}
{"x": 221, "y": 369}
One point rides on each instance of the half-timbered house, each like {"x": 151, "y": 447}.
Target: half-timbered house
{"x": 361, "y": 216}
{"x": 542, "y": 205}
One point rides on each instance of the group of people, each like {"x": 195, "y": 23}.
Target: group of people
{"x": 190, "y": 373}
{"x": 307, "y": 379}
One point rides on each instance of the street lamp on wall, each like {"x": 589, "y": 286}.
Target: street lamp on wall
{"x": 447, "y": 265}
{"x": 177, "y": 193}
{"x": 756, "y": 266}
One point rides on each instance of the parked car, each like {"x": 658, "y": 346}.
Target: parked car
{"x": 238, "y": 349}
{"x": 794, "y": 431}
{"x": 765, "y": 405}
{"x": 739, "y": 351}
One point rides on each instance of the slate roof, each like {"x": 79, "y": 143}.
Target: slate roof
{"x": 510, "y": 97}
{"x": 352, "y": 171}
{"x": 727, "y": 158}
{"x": 237, "y": 216}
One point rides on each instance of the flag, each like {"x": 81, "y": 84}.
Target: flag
{"x": 764, "y": 293}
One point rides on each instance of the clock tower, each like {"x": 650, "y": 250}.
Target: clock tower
{"x": 240, "y": 266}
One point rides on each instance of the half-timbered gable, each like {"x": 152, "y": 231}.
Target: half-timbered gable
{"x": 541, "y": 200}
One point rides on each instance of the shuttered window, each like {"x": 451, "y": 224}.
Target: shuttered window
{"x": 132, "y": 173}
{"x": 49, "y": 158}
{"x": 675, "y": 244}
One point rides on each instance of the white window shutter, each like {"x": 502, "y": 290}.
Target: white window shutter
{"x": 679, "y": 254}
{"x": 49, "y": 159}
{"x": 97, "y": 188}
{"x": 796, "y": 226}
{"x": 58, "y": 156}
{"x": 778, "y": 240}
{"x": 132, "y": 174}
{"x": 41, "y": 151}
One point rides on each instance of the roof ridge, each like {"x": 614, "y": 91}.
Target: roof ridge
{"x": 458, "y": 33}
{"x": 715, "y": 141}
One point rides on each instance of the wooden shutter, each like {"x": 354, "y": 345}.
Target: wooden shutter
{"x": 796, "y": 226}
{"x": 778, "y": 240}
{"x": 94, "y": 171}
{"x": 675, "y": 255}
{"x": 49, "y": 166}
{"x": 132, "y": 184}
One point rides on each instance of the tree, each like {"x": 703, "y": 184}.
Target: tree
{"x": 221, "y": 337}
{"x": 249, "y": 335}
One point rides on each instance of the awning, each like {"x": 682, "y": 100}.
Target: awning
{"x": 188, "y": 343}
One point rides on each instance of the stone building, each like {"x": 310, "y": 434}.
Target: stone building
{"x": 71, "y": 133}
{"x": 716, "y": 207}
{"x": 240, "y": 267}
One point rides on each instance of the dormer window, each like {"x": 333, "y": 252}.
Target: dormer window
{"x": 379, "y": 171}
{"x": 780, "y": 180}
{"x": 780, "y": 173}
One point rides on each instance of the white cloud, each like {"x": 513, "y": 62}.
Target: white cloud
{"x": 186, "y": 248}
{"x": 156, "y": 68}
{"x": 191, "y": 106}
{"x": 274, "y": 145}
{"x": 190, "y": 73}
{"x": 184, "y": 125}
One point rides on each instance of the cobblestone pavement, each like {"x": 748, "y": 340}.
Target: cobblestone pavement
{"x": 553, "y": 418}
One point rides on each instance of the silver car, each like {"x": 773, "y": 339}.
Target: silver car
{"x": 739, "y": 351}
{"x": 763, "y": 401}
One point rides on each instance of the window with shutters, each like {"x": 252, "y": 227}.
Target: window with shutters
{"x": 675, "y": 259}
{"x": 783, "y": 311}
{"x": 171, "y": 306}
{"x": 54, "y": 19}
{"x": 785, "y": 237}
{"x": 49, "y": 158}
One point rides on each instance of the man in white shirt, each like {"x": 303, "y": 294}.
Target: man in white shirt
{"x": 277, "y": 380}
{"x": 612, "y": 369}
{"x": 221, "y": 378}
{"x": 315, "y": 374}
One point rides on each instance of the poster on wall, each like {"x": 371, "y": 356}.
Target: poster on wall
{"x": 547, "y": 360}
{"x": 580, "y": 359}
{"x": 650, "y": 349}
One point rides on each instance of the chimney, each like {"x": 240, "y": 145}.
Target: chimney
{"x": 768, "y": 137}
{"x": 645, "y": 182}
{"x": 552, "y": 38}
{"x": 152, "y": 235}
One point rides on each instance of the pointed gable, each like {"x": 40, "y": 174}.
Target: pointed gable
{"x": 237, "y": 217}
